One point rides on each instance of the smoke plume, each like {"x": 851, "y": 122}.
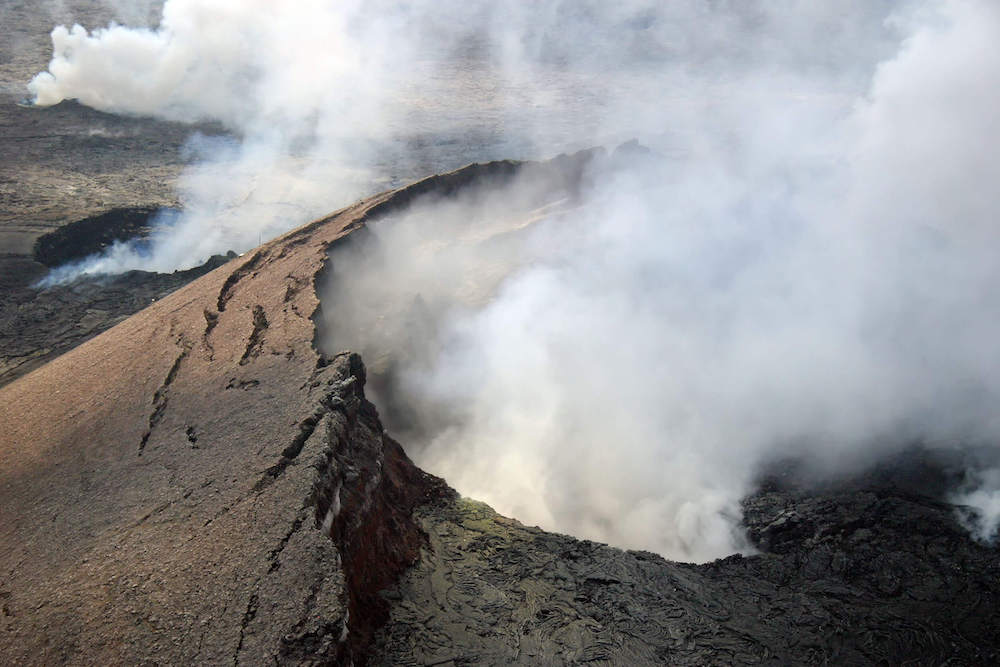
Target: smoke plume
{"x": 803, "y": 265}
{"x": 327, "y": 101}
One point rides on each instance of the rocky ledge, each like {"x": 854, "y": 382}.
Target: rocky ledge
{"x": 864, "y": 572}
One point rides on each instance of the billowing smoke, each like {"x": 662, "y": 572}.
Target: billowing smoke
{"x": 804, "y": 264}
{"x": 622, "y": 367}
{"x": 327, "y": 101}
{"x": 981, "y": 497}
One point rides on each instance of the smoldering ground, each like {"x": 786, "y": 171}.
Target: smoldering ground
{"x": 803, "y": 266}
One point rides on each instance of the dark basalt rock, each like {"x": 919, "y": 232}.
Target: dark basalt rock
{"x": 92, "y": 235}
{"x": 39, "y": 324}
{"x": 861, "y": 572}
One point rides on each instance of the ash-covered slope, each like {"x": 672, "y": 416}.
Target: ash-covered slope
{"x": 200, "y": 485}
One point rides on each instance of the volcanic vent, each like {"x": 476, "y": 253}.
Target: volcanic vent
{"x": 193, "y": 485}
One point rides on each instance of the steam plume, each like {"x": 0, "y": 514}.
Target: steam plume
{"x": 805, "y": 265}
{"x": 329, "y": 101}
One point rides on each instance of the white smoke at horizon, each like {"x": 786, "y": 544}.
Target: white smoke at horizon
{"x": 806, "y": 270}
{"x": 233, "y": 63}
{"x": 982, "y": 497}
{"x": 333, "y": 101}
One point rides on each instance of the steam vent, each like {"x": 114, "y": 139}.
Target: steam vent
{"x": 740, "y": 371}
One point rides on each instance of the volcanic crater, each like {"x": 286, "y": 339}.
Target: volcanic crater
{"x": 205, "y": 483}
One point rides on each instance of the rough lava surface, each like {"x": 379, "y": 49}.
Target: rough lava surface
{"x": 62, "y": 165}
{"x": 200, "y": 485}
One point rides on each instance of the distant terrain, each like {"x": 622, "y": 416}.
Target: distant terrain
{"x": 65, "y": 163}
{"x": 59, "y": 166}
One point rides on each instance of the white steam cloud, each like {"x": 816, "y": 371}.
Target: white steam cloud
{"x": 982, "y": 498}
{"x": 805, "y": 265}
{"x": 332, "y": 100}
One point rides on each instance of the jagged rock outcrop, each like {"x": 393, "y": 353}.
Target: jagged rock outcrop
{"x": 365, "y": 495}
{"x": 200, "y": 485}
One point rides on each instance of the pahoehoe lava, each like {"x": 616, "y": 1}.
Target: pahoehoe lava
{"x": 79, "y": 239}
{"x": 298, "y": 532}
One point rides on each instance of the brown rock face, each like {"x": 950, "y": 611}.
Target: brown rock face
{"x": 365, "y": 495}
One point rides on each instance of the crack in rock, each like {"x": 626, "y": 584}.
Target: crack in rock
{"x": 276, "y": 552}
{"x": 226, "y": 293}
{"x": 332, "y": 401}
{"x": 161, "y": 397}
{"x": 256, "y": 340}
{"x": 248, "y": 617}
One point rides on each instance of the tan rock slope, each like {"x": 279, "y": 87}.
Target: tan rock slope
{"x": 155, "y": 481}
{"x": 199, "y": 485}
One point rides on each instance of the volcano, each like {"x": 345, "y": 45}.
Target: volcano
{"x": 202, "y": 484}
{"x": 740, "y": 371}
